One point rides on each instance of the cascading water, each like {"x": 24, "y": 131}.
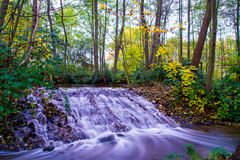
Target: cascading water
{"x": 109, "y": 124}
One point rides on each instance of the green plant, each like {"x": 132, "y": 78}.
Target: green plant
{"x": 191, "y": 152}
{"x": 226, "y": 99}
{"x": 218, "y": 153}
{"x": 172, "y": 156}
{"x": 187, "y": 88}
{"x": 142, "y": 76}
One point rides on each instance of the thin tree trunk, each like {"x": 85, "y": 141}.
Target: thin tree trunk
{"x": 35, "y": 20}
{"x": 156, "y": 35}
{"x": 180, "y": 33}
{"x": 16, "y": 24}
{"x": 222, "y": 53}
{"x": 237, "y": 27}
{"x": 92, "y": 34}
{"x": 193, "y": 32}
{"x": 65, "y": 34}
{"x": 120, "y": 45}
{"x": 202, "y": 36}
{"x": 189, "y": 27}
{"x": 100, "y": 41}
{"x": 116, "y": 40}
{"x": 51, "y": 28}
{"x": 104, "y": 38}
{"x": 146, "y": 34}
{"x": 3, "y": 12}
{"x": 213, "y": 45}
{"x": 125, "y": 68}
{"x": 12, "y": 36}
{"x": 95, "y": 51}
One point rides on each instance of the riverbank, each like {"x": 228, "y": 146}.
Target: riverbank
{"x": 162, "y": 96}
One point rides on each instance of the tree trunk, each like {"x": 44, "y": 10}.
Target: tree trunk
{"x": 189, "y": 27}
{"x": 35, "y": 20}
{"x": 237, "y": 28}
{"x": 202, "y": 36}
{"x": 51, "y": 28}
{"x": 120, "y": 45}
{"x": 145, "y": 35}
{"x": 180, "y": 32}
{"x": 104, "y": 38}
{"x": 213, "y": 45}
{"x": 156, "y": 35}
{"x": 16, "y": 24}
{"x": 12, "y": 36}
{"x": 65, "y": 34}
{"x": 95, "y": 51}
{"x": 125, "y": 68}
{"x": 3, "y": 12}
{"x": 116, "y": 40}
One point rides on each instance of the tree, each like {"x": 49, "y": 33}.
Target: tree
{"x": 65, "y": 33}
{"x": 202, "y": 36}
{"x": 35, "y": 21}
{"x": 145, "y": 34}
{"x": 3, "y": 12}
{"x": 188, "y": 28}
{"x": 180, "y": 32}
{"x": 212, "y": 44}
{"x": 95, "y": 51}
{"x": 156, "y": 34}
{"x": 116, "y": 40}
{"x": 51, "y": 27}
{"x": 237, "y": 27}
{"x": 104, "y": 37}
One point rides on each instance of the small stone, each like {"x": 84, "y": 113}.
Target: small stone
{"x": 107, "y": 138}
{"x": 48, "y": 148}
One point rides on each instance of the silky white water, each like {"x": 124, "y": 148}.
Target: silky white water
{"x": 117, "y": 124}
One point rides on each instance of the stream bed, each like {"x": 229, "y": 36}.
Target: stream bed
{"x": 116, "y": 124}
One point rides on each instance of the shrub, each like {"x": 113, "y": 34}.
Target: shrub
{"x": 15, "y": 82}
{"x": 142, "y": 76}
{"x": 226, "y": 99}
{"x": 187, "y": 88}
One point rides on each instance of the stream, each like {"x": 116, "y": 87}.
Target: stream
{"x": 117, "y": 124}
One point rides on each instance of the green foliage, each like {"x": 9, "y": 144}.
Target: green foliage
{"x": 118, "y": 78}
{"x": 172, "y": 156}
{"x": 225, "y": 97}
{"x": 218, "y": 153}
{"x": 186, "y": 86}
{"x": 191, "y": 152}
{"x": 15, "y": 82}
{"x": 72, "y": 74}
{"x": 215, "y": 154}
{"x": 67, "y": 103}
{"x": 142, "y": 76}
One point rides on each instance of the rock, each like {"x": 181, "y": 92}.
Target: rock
{"x": 48, "y": 148}
{"x": 106, "y": 138}
{"x": 236, "y": 154}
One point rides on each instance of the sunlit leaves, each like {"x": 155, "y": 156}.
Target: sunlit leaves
{"x": 103, "y": 6}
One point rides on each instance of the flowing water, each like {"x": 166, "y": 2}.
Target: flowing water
{"x": 117, "y": 124}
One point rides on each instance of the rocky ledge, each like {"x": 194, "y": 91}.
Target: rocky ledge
{"x": 44, "y": 120}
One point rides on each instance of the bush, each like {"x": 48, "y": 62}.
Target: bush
{"x": 215, "y": 154}
{"x": 15, "y": 82}
{"x": 226, "y": 99}
{"x": 187, "y": 88}
{"x": 142, "y": 76}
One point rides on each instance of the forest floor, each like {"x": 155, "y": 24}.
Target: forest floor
{"x": 162, "y": 96}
